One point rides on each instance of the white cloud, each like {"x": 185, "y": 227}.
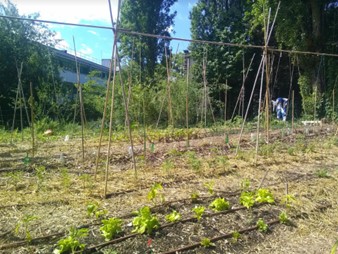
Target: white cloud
{"x": 85, "y": 50}
{"x": 92, "y": 32}
{"x": 61, "y": 44}
{"x": 68, "y": 11}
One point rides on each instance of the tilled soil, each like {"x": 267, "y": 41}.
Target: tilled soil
{"x": 56, "y": 190}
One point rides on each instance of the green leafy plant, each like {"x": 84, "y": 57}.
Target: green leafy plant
{"x": 245, "y": 184}
{"x": 219, "y": 204}
{"x": 199, "y": 211}
{"x": 24, "y": 224}
{"x": 210, "y": 187}
{"x": 322, "y": 173}
{"x": 283, "y": 218}
{"x": 247, "y": 199}
{"x": 93, "y": 209}
{"x": 235, "y": 236}
{"x": 262, "y": 226}
{"x": 72, "y": 242}
{"x": 145, "y": 221}
{"x": 288, "y": 200}
{"x": 264, "y": 196}
{"x": 206, "y": 242}
{"x": 155, "y": 191}
{"x": 173, "y": 216}
{"x": 111, "y": 227}
{"x": 194, "y": 197}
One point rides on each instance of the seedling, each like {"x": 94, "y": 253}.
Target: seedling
{"x": 219, "y": 204}
{"x": 72, "y": 242}
{"x": 145, "y": 222}
{"x": 264, "y": 196}
{"x": 94, "y": 210}
{"x": 194, "y": 197}
{"x": 262, "y": 226}
{"x": 210, "y": 187}
{"x": 199, "y": 211}
{"x": 173, "y": 216}
{"x": 26, "y": 160}
{"x": 322, "y": 173}
{"x": 235, "y": 236}
{"x": 245, "y": 185}
{"x": 206, "y": 242}
{"x": 247, "y": 199}
{"x": 288, "y": 200}
{"x": 283, "y": 218}
{"x": 155, "y": 191}
{"x": 24, "y": 224}
{"x": 111, "y": 228}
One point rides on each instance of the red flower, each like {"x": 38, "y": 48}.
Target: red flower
{"x": 149, "y": 242}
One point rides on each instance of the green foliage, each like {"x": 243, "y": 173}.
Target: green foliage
{"x": 199, "y": 211}
{"x": 219, "y": 204}
{"x": 206, "y": 242}
{"x": 40, "y": 172}
{"x": 334, "y": 248}
{"x": 145, "y": 222}
{"x": 173, "y": 216}
{"x": 262, "y": 226}
{"x": 194, "y": 197}
{"x": 210, "y": 186}
{"x": 235, "y": 236}
{"x": 155, "y": 191}
{"x": 247, "y": 199}
{"x": 283, "y": 218}
{"x": 288, "y": 200}
{"x": 72, "y": 243}
{"x": 93, "y": 209}
{"x": 264, "y": 196}
{"x": 111, "y": 228}
{"x": 149, "y": 17}
{"x": 322, "y": 173}
{"x": 194, "y": 162}
{"x": 245, "y": 184}
{"x": 24, "y": 224}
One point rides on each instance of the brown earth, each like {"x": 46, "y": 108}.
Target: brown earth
{"x": 57, "y": 189}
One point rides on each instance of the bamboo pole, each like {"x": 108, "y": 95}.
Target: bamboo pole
{"x": 117, "y": 62}
{"x": 225, "y": 100}
{"x": 31, "y": 100}
{"x": 79, "y": 87}
{"x": 171, "y": 122}
{"x": 267, "y": 79}
{"x": 333, "y": 110}
{"x": 259, "y": 109}
{"x": 104, "y": 115}
{"x": 187, "y": 100}
{"x": 112, "y": 94}
{"x": 293, "y": 110}
{"x": 242, "y": 88}
{"x": 249, "y": 103}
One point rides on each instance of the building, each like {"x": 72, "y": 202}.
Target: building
{"x": 67, "y": 68}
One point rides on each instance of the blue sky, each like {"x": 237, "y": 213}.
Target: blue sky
{"x": 95, "y": 44}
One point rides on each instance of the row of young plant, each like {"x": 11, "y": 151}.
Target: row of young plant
{"x": 145, "y": 222}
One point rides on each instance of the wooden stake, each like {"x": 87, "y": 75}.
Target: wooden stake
{"x": 31, "y": 100}
{"x": 293, "y": 110}
{"x": 259, "y": 110}
{"x": 225, "y": 100}
{"x": 170, "y": 111}
{"x": 79, "y": 87}
{"x": 187, "y": 101}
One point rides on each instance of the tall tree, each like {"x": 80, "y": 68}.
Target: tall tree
{"x": 307, "y": 25}
{"x": 21, "y": 42}
{"x": 146, "y": 16}
{"x": 220, "y": 21}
